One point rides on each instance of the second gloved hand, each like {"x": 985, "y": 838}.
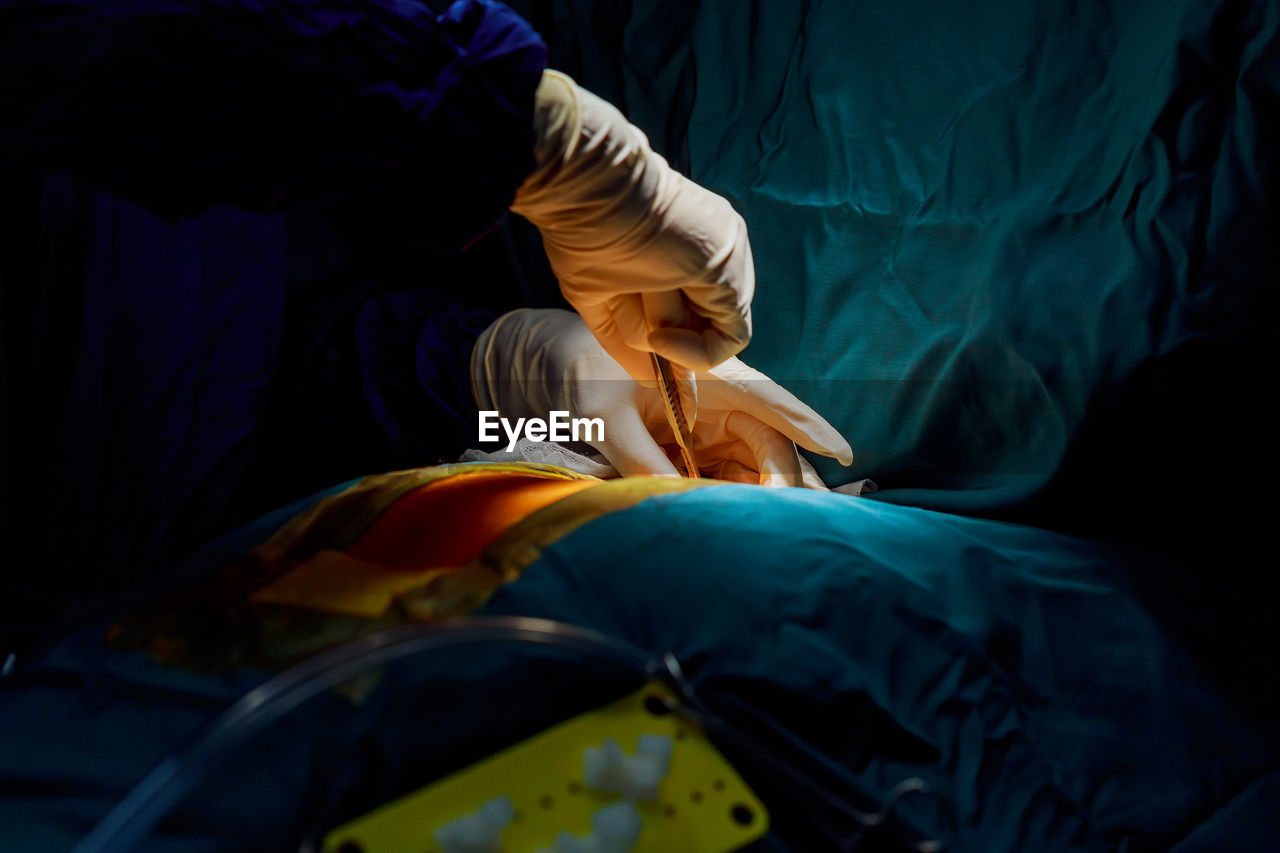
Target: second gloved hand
{"x": 531, "y": 362}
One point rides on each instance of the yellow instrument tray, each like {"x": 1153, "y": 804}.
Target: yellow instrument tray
{"x": 703, "y": 805}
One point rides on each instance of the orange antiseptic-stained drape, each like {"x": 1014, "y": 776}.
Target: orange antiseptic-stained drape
{"x": 449, "y": 522}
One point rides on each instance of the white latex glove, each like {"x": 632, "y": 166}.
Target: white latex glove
{"x": 651, "y": 260}
{"x": 531, "y": 362}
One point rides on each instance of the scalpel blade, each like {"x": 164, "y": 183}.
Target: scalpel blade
{"x": 675, "y": 413}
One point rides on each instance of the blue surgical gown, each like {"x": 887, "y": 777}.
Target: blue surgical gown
{"x": 230, "y": 270}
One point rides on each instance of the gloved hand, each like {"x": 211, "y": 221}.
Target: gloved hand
{"x": 531, "y": 362}
{"x": 651, "y": 260}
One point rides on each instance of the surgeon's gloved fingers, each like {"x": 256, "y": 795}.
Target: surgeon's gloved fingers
{"x": 751, "y": 391}
{"x": 771, "y": 453}
{"x": 730, "y": 444}
{"x": 684, "y": 333}
{"x": 609, "y": 322}
{"x": 667, "y": 308}
{"x": 629, "y": 313}
{"x": 630, "y": 448}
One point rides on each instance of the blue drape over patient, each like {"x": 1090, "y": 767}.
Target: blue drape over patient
{"x": 232, "y": 272}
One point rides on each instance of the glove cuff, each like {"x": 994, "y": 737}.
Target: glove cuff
{"x": 557, "y": 118}
{"x": 597, "y": 176}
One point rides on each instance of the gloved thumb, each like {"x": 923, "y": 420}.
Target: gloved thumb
{"x": 604, "y": 325}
